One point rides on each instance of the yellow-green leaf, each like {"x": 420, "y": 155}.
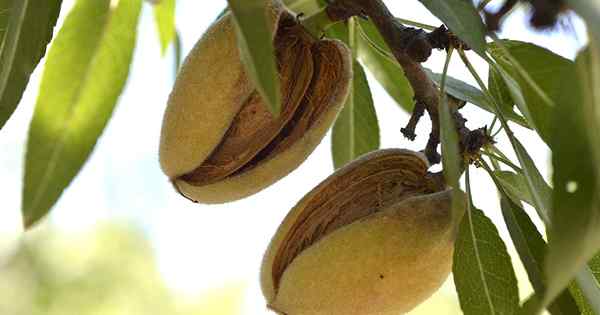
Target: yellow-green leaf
{"x": 164, "y": 16}
{"x": 86, "y": 69}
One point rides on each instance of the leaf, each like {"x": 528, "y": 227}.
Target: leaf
{"x": 483, "y": 273}
{"x": 589, "y": 10}
{"x": 575, "y": 233}
{"x": 594, "y": 268}
{"x": 515, "y": 186}
{"x": 468, "y": 93}
{"x": 532, "y": 249}
{"x": 356, "y": 130}
{"x": 462, "y": 19}
{"x": 255, "y": 40}
{"x": 534, "y": 75}
{"x": 499, "y": 91}
{"x": 307, "y": 7}
{"x": 178, "y": 53}
{"x": 164, "y": 17}
{"x": 85, "y": 72}
{"x": 386, "y": 70}
{"x": 27, "y": 28}
{"x": 451, "y": 159}
{"x": 541, "y": 193}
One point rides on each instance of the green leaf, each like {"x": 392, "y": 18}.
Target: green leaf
{"x": 535, "y": 88}
{"x": 462, "y": 19}
{"x": 451, "y": 158}
{"x": 255, "y": 40}
{"x": 483, "y": 272}
{"x": 307, "y": 7}
{"x": 532, "y": 249}
{"x": 27, "y": 28}
{"x": 178, "y": 53}
{"x": 515, "y": 186}
{"x": 499, "y": 91}
{"x": 85, "y": 72}
{"x": 356, "y": 130}
{"x": 589, "y": 10}
{"x": 468, "y": 93}
{"x": 541, "y": 193}
{"x": 594, "y": 268}
{"x": 575, "y": 230}
{"x": 589, "y": 72}
{"x": 385, "y": 69}
{"x": 164, "y": 17}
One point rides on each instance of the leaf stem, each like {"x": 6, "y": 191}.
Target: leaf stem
{"x": 503, "y": 160}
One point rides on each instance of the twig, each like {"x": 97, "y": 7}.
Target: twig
{"x": 410, "y": 47}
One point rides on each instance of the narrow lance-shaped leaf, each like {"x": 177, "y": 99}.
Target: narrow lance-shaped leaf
{"x": 468, "y": 93}
{"x": 514, "y": 185}
{"x": 532, "y": 249}
{"x": 177, "y": 56}
{"x": 462, "y": 19}
{"x": 255, "y": 41}
{"x": 26, "y": 28}
{"x": 164, "y": 17}
{"x": 585, "y": 305}
{"x": 386, "y": 70}
{"x": 356, "y": 130}
{"x": 500, "y": 92}
{"x": 483, "y": 273}
{"x": 529, "y": 73}
{"x": 451, "y": 157}
{"x": 85, "y": 72}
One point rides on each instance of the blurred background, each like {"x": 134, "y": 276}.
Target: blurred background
{"x": 121, "y": 241}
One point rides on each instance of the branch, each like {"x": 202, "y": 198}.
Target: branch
{"x": 410, "y": 47}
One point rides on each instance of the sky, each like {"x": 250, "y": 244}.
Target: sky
{"x": 199, "y": 247}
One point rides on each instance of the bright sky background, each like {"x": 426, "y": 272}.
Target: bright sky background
{"x": 199, "y": 247}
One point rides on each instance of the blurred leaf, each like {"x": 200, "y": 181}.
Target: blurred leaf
{"x": 85, "y": 72}
{"x": 589, "y": 10}
{"x": 515, "y": 186}
{"x": 385, "y": 69}
{"x": 356, "y": 130}
{"x": 178, "y": 52}
{"x": 535, "y": 87}
{"x": 26, "y": 28}
{"x": 307, "y": 7}
{"x": 589, "y": 73}
{"x": 575, "y": 233}
{"x": 462, "y": 19}
{"x": 468, "y": 93}
{"x": 483, "y": 273}
{"x": 164, "y": 17}
{"x": 255, "y": 41}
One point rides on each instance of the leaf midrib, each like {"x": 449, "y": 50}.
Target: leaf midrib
{"x": 57, "y": 149}
{"x": 12, "y": 48}
{"x": 479, "y": 263}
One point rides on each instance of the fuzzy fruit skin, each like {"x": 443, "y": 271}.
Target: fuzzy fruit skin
{"x": 207, "y": 95}
{"x": 386, "y": 263}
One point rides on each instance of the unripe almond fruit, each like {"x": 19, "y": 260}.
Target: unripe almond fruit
{"x": 376, "y": 237}
{"x": 219, "y": 142}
